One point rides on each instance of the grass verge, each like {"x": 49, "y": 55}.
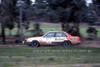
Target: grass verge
{"x": 27, "y": 56}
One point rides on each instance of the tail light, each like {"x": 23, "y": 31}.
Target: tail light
{"x": 78, "y": 38}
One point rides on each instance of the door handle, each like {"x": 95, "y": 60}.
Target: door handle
{"x": 55, "y": 38}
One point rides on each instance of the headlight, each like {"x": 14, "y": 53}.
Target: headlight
{"x": 24, "y": 41}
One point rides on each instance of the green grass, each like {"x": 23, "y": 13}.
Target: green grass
{"x": 84, "y": 33}
{"x": 45, "y": 29}
{"x": 27, "y": 56}
{"x": 52, "y": 27}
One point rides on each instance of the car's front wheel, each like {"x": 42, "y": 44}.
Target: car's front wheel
{"x": 66, "y": 43}
{"x": 35, "y": 44}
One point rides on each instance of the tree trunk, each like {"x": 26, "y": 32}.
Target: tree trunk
{"x": 3, "y": 33}
{"x": 62, "y": 25}
{"x": 67, "y": 26}
{"x": 10, "y": 32}
{"x": 77, "y": 27}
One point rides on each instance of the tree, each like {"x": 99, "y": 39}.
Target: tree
{"x": 97, "y": 6}
{"x": 7, "y": 16}
{"x": 23, "y": 14}
{"x": 37, "y": 31}
{"x": 68, "y": 11}
{"x": 91, "y": 15}
{"x": 64, "y": 11}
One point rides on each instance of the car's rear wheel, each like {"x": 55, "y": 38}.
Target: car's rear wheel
{"x": 66, "y": 43}
{"x": 35, "y": 44}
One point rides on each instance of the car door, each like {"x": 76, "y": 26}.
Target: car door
{"x": 60, "y": 37}
{"x": 49, "y": 38}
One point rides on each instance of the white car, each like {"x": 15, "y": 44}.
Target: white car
{"x": 53, "y": 38}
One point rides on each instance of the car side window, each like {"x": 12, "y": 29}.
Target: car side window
{"x": 51, "y": 34}
{"x": 61, "y": 34}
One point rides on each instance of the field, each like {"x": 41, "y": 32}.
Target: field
{"x": 53, "y": 27}
{"x": 49, "y": 56}
{"x": 86, "y": 54}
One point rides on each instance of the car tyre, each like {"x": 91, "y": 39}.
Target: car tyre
{"x": 35, "y": 44}
{"x": 66, "y": 43}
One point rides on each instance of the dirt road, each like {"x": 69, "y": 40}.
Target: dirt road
{"x": 83, "y": 44}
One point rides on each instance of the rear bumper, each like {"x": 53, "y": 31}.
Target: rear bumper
{"x": 79, "y": 42}
{"x": 76, "y": 43}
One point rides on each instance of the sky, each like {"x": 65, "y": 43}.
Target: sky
{"x": 88, "y": 1}
{"x": 0, "y": 1}
{"x": 33, "y": 0}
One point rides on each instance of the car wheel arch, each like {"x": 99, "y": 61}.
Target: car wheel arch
{"x": 35, "y": 41}
{"x": 67, "y": 41}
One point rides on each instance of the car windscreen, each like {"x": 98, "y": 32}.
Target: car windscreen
{"x": 50, "y": 34}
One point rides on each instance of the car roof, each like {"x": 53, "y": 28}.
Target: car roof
{"x": 56, "y": 31}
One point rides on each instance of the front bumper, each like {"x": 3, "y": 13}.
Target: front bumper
{"x": 25, "y": 42}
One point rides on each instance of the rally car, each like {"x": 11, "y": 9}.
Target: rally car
{"x": 53, "y": 38}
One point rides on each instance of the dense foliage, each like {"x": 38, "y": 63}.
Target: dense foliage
{"x": 63, "y": 11}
